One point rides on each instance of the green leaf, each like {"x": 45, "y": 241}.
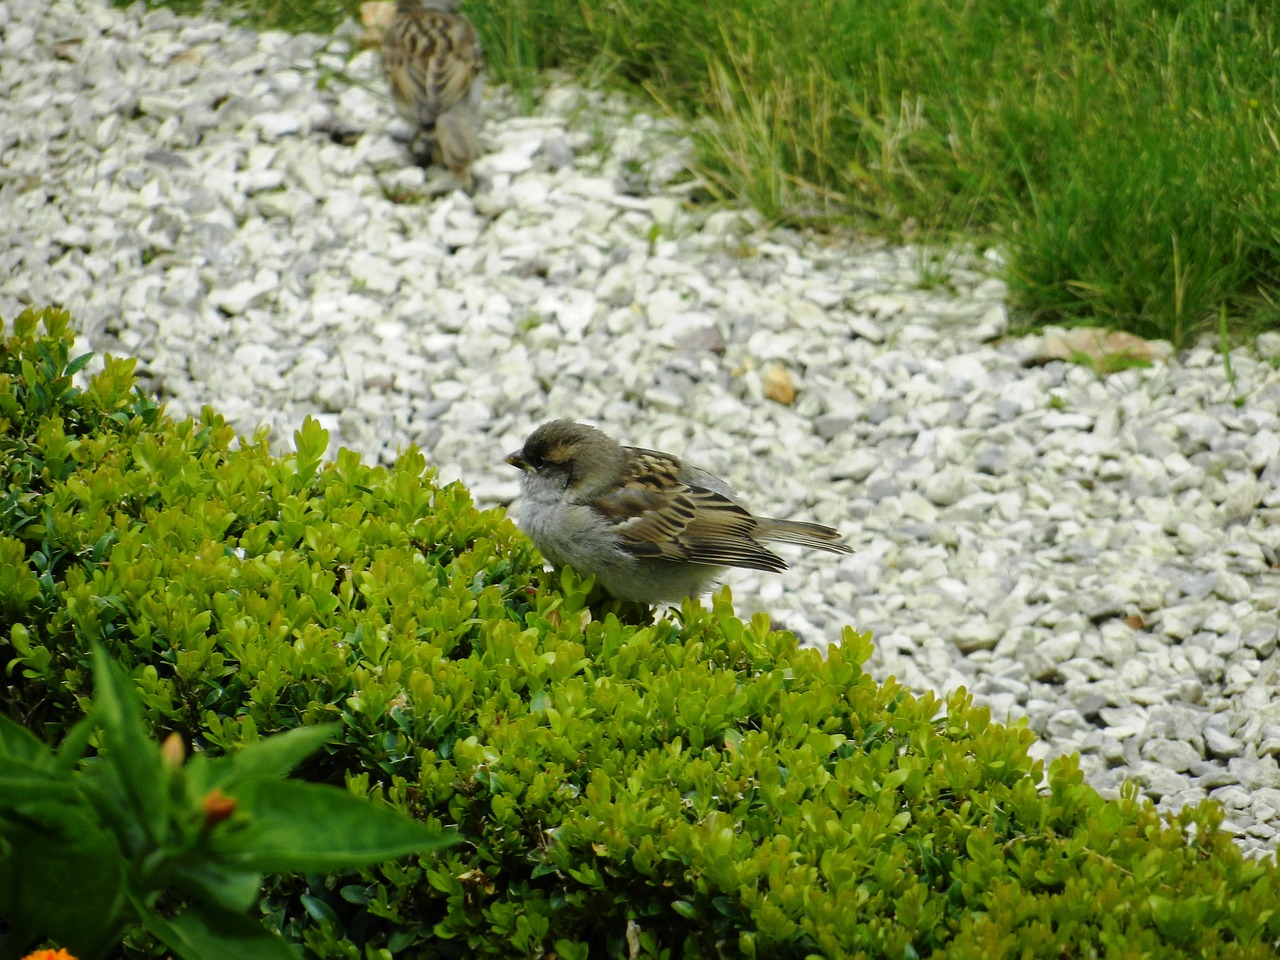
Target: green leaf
{"x": 571, "y": 950}
{"x": 895, "y": 778}
{"x": 24, "y": 783}
{"x": 231, "y": 889}
{"x": 76, "y": 742}
{"x": 317, "y": 909}
{"x": 272, "y": 757}
{"x": 309, "y": 827}
{"x": 78, "y": 364}
{"x": 356, "y": 893}
{"x": 19, "y": 743}
{"x": 311, "y": 442}
{"x": 56, "y": 852}
{"x": 207, "y": 933}
{"x": 276, "y": 756}
{"x": 404, "y": 938}
{"x": 132, "y": 757}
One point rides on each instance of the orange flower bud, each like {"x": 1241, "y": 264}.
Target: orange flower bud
{"x": 217, "y": 807}
{"x": 49, "y": 955}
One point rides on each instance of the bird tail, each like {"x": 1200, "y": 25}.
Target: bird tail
{"x": 802, "y": 533}
{"x": 456, "y": 140}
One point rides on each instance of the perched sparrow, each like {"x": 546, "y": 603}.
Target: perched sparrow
{"x": 652, "y": 528}
{"x": 432, "y": 59}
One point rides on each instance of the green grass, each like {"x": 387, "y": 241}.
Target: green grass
{"x": 1125, "y": 154}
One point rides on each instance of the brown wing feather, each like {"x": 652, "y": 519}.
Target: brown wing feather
{"x": 659, "y": 517}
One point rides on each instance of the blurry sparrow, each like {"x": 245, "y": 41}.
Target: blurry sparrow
{"x": 432, "y": 59}
{"x": 652, "y": 528}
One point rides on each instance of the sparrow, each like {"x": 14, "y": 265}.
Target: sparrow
{"x": 432, "y": 59}
{"x": 650, "y": 527}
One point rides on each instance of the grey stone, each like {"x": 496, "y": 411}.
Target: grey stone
{"x": 1175, "y": 755}
{"x": 946, "y": 487}
{"x": 831, "y": 425}
{"x": 1221, "y": 744}
{"x": 1158, "y": 782}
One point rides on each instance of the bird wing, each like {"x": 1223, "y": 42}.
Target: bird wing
{"x": 432, "y": 59}
{"x": 659, "y": 514}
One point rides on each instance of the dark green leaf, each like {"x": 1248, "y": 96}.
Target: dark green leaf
{"x": 133, "y": 758}
{"x": 231, "y": 889}
{"x": 308, "y": 827}
{"x": 22, "y": 784}
{"x": 74, "y": 744}
{"x": 208, "y": 933}
{"x": 78, "y": 364}
{"x": 61, "y": 849}
{"x": 318, "y": 910}
{"x": 277, "y": 756}
{"x": 404, "y": 938}
{"x": 19, "y": 743}
{"x": 355, "y": 893}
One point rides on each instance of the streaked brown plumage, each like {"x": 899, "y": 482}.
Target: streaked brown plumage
{"x": 433, "y": 61}
{"x": 651, "y": 527}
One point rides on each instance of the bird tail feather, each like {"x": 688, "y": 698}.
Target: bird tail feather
{"x": 456, "y": 140}
{"x": 802, "y": 533}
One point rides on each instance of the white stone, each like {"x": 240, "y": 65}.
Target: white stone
{"x": 275, "y": 126}
{"x": 516, "y": 158}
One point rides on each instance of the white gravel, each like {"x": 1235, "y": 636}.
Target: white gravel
{"x": 1098, "y": 555}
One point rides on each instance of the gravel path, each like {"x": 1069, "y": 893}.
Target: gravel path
{"x": 1096, "y": 554}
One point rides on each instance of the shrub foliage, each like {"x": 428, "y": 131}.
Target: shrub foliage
{"x": 695, "y": 787}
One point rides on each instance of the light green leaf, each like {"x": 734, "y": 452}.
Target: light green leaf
{"x": 895, "y": 778}
{"x": 311, "y": 441}
{"x": 899, "y": 822}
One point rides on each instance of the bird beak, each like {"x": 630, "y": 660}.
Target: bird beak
{"x": 516, "y": 460}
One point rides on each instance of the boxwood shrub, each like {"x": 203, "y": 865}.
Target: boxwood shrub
{"x": 698, "y": 786}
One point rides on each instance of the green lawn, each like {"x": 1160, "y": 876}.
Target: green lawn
{"x": 1123, "y": 155}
